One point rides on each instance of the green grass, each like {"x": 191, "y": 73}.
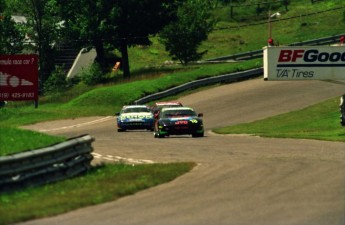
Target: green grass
{"x": 101, "y": 101}
{"x": 246, "y": 33}
{"x": 149, "y": 75}
{"x": 28, "y": 140}
{"x": 107, "y": 100}
{"x": 106, "y": 183}
{"x": 320, "y": 121}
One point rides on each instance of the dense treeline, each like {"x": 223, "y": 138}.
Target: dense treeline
{"x": 101, "y": 24}
{"x": 182, "y": 25}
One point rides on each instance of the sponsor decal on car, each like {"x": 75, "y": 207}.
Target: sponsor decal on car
{"x": 136, "y": 116}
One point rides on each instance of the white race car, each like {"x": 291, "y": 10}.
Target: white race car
{"x": 135, "y": 117}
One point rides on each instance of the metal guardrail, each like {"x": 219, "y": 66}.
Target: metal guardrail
{"x": 202, "y": 82}
{"x": 259, "y": 53}
{"x": 240, "y": 56}
{"x": 321, "y": 41}
{"x": 233, "y": 76}
{"x": 73, "y": 157}
{"x": 46, "y": 165}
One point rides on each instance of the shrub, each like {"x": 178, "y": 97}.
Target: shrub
{"x": 56, "y": 81}
{"x": 92, "y": 75}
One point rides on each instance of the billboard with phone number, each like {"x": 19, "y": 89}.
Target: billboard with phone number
{"x": 304, "y": 63}
{"x": 18, "y": 77}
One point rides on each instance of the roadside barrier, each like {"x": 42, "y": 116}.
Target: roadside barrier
{"x": 46, "y": 165}
{"x": 233, "y": 76}
{"x": 259, "y": 53}
{"x": 202, "y": 82}
{"x": 73, "y": 157}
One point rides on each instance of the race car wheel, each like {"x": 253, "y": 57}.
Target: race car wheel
{"x": 160, "y": 135}
{"x": 121, "y": 130}
{"x": 195, "y": 135}
{"x": 157, "y": 134}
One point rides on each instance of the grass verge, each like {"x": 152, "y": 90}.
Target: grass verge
{"x": 320, "y": 122}
{"x": 28, "y": 140}
{"x": 102, "y": 101}
{"x": 106, "y": 183}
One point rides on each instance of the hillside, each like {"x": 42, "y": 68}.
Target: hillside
{"x": 248, "y": 31}
{"x": 303, "y": 21}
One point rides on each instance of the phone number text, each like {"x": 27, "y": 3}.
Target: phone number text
{"x": 17, "y": 95}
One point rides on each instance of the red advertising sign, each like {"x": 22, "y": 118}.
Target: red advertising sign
{"x": 18, "y": 77}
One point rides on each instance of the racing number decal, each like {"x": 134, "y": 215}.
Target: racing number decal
{"x": 181, "y": 122}
{"x": 194, "y": 121}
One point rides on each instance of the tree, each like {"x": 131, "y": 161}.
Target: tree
{"x": 42, "y": 28}
{"x": 183, "y": 37}
{"x": 90, "y": 23}
{"x": 11, "y": 34}
{"x": 137, "y": 20}
{"x": 119, "y": 24}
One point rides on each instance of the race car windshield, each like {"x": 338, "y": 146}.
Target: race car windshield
{"x": 136, "y": 110}
{"x": 160, "y": 107}
{"x": 168, "y": 106}
{"x": 177, "y": 113}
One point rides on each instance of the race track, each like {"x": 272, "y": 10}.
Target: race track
{"x": 239, "y": 179}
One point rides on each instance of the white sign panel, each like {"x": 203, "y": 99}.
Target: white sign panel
{"x": 304, "y": 63}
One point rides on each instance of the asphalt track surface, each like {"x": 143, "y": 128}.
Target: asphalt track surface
{"x": 239, "y": 179}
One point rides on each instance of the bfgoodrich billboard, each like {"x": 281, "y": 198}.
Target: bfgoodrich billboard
{"x": 304, "y": 63}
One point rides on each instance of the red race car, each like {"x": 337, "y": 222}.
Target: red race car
{"x": 158, "y": 106}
